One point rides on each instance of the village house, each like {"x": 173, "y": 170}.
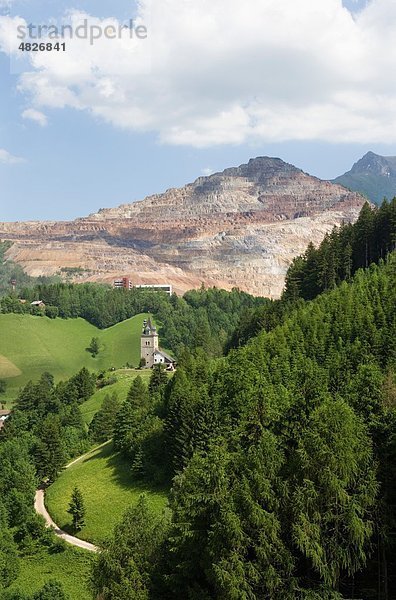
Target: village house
{"x": 4, "y": 414}
{"x": 38, "y": 303}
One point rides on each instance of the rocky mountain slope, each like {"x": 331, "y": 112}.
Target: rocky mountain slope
{"x": 241, "y": 227}
{"x": 374, "y": 176}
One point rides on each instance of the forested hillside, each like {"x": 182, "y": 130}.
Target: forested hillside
{"x": 343, "y": 252}
{"x": 283, "y": 458}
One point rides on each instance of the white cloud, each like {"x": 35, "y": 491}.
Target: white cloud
{"x": 207, "y": 171}
{"x": 35, "y": 115}
{"x": 8, "y": 159}
{"x": 222, "y": 71}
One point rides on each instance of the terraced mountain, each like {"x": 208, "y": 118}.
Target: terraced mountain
{"x": 239, "y": 228}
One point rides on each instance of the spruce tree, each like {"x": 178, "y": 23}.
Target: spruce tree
{"x": 77, "y": 509}
{"x": 102, "y": 425}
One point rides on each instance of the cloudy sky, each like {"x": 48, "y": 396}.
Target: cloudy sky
{"x": 214, "y": 83}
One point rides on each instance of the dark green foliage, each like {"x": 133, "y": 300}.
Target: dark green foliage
{"x": 343, "y": 252}
{"x": 52, "y": 416}
{"x": 52, "y": 312}
{"x": 94, "y": 347}
{"x": 52, "y": 590}
{"x": 191, "y": 414}
{"x": 17, "y": 478}
{"x": 226, "y": 540}
{"x": 333, "y": 494}
{"x": 9, "y": 565}
{"x": 158, "y": 381}
{"x": 77, "y": 509}
{"x": 138, "y": 432}
{"x": 315, "y": 386}
{"x": 3, "y": 386}
{"x": 130, "y": 417}
{"x": 50, "y": 454}
{"x": 84, "y": 383}
{"x": 14, "y": 595}
{"x": 125, "y": 567}
{"x": 102, "y": 426}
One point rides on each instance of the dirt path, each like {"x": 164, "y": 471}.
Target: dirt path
{"x": 39, "y": 506}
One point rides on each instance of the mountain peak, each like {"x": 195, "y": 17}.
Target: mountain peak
{"x": 383, "y": 166}
{"x": 373, "y": 175}
{"x": 239, "y": 228}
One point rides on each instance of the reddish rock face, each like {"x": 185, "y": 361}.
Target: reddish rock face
{"x": 240, "y": 228}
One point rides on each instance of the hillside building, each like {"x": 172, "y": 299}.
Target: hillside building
{"x": 157, "y": 287}
{"x": 126, "y": 284}
{"x": 123, "y": 283}
{"x": 150, "y": 352}
{"x": 4, "y": 414}
{"x": 38, "y": 304}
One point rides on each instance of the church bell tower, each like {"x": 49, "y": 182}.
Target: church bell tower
{"x": 148, "y": 343}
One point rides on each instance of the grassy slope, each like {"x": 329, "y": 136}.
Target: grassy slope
{"x": 33, "y": 345}
{"x": 125, "y": 378}
{"x": 71, "y": 568}
{"x": 108, "y": 488}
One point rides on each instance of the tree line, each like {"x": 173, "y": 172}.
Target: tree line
{"x": 201, "y": 318}
{"x": 343, "y": 251}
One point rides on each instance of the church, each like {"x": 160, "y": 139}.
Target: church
{"x": 150, "y": 352}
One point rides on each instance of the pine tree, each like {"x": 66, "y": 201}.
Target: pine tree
{"x": 50, "y": 453}
{"x": 158, "y": 381}
{"x": 130, "y": 417}
{"x": 127, "y": 566}
{"x": 77, "y": 509}
{"x": 85, "y": 384}
{"x": 335, "y": 492}
{"x": 9, "y": 561}
{"x": 93, "y": 347}
{"x": 102, "y": 425}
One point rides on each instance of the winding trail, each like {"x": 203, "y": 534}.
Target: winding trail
{"x": 39, "y": 506}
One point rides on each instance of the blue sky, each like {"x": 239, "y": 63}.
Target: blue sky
{"x": 61, "y": 162}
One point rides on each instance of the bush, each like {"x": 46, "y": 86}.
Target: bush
{"x": 52, "y": 312}
{"x": 58, "y": 546}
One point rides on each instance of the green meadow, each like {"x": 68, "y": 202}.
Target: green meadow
{"x": 125, "y": 378}
{"x": 31, "y": 345}
{"x": 70, "y": 567}
{"x": 108, "y": 488}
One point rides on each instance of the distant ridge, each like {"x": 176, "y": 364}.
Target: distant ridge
{"x": 373, "y": 175}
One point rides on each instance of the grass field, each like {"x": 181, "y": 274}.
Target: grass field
{"x": 125, "y": 378}
{"x": 31, "y": 345}
{"x": 108, "y": 488}
{"x": 71, "y": 568}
